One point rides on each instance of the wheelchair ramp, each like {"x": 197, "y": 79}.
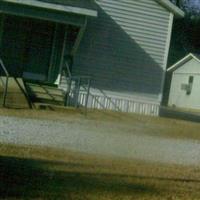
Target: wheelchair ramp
{"x": 44, "y": 93}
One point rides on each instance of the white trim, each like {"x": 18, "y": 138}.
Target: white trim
{"x": 140, "y": 97}
{"x": 128, "y": 96}
{"x": 187, "y": 73}
{"x": 171, "y": 7}
{"x": 180, "y": 62}
{"x": 196, "y": 58}
{"x": 168, "y": 41}
{"x": 53, "y": 6}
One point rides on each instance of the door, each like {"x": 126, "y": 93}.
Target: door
{"x": 38, "y": 50}
{"x": 13, "y": 45}
{"x": 26, "y": 47}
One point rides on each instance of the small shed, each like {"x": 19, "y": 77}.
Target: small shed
{"x": 185, "y": 83}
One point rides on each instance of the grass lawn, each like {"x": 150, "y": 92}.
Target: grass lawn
{"x": 42, "y": 173}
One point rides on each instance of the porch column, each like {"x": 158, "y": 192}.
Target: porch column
{"x": 1, "y": 28}
{"x": 63, "y": 52}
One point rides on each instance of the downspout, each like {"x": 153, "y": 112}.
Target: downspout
{"x": 168, "y": 41}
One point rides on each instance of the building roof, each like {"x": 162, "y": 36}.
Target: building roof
{"x": 90, "y": 4}
{"x": 183, "y": 61}
{"x": 87, "y": 4}
{"x": 172, "y": 8}
{"x": 197, "y": 56}
{"x": 83, "y": 7}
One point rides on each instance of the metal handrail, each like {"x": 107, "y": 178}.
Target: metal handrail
{"x": 5, "y": 85}
{"x": 79, "y": 79}
{"x": 4, "y": 68}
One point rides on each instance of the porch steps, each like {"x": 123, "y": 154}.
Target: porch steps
{"x": 44, "y": 93}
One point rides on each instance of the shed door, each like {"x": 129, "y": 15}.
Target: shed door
{"x": 38, "y": 50}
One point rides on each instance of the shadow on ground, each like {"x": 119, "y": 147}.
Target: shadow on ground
{"x": 34, "y": 179}
{"x": 28, "y": 178}
{"x": 168, "y": 112}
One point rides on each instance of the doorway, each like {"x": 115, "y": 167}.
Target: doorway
{"x": 38, "y": 50}
{"x": 26, "y": 47}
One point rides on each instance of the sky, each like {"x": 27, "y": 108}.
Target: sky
{"x": 194, "y": 4}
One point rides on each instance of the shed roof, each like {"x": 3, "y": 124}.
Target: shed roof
{"x": 172, "y": 8}
{"x": 183, "y": 61}
{"x": 83, "y": 7}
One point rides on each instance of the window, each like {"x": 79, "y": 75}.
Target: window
{"x": 188, "y": 87}
{"x": 189, "y": 90}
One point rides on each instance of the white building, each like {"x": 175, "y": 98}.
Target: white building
{"x": 185, "y": 83}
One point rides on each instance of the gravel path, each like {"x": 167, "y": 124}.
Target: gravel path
{"x": 99, "y": 138}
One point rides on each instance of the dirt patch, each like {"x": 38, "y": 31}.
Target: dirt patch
{"x": 15, "y": 98}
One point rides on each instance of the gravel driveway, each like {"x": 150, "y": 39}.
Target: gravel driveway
{"x": 99, "y": 138}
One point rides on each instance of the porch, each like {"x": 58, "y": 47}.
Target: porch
{"x": 38, "y": 40}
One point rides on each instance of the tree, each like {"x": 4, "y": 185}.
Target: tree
{"x": 186, "y": 31}
{"x": 191, "y": 7}
{"x": 176, "y": 2}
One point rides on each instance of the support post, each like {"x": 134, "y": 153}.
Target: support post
{"x": 2, "y": 28}
{"x": 78, "y": 91}
{"x": 67, "y": 93}
{"x": 53, "y": 52}
{"x": 24, "y": 93}
{"x": 87, "y": 95}
{"x": 7, "y": 75}
{"x": 79, "y": 38}
{"x": 5, "y": 92}
{"x": 63, "y": 53}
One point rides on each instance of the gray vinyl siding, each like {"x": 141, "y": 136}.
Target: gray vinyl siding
{"x": 124, "y": 48}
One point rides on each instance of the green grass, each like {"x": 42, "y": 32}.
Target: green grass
{"x": 41, "y": 173}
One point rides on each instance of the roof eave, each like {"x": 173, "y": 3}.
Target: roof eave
{"x": 69, "y": 9}
{"x": 183, "y": 60}
{"x": 178, "y": 13}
